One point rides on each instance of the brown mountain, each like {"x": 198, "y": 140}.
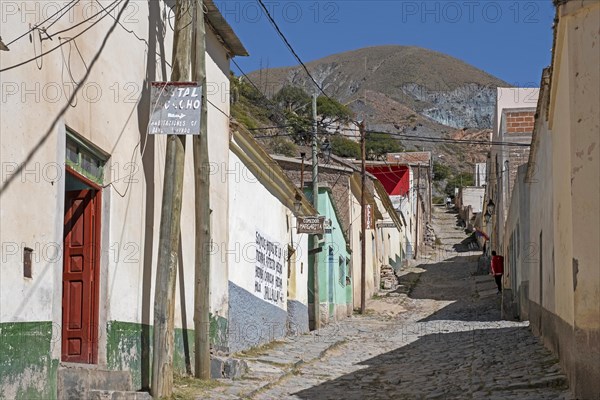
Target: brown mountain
{"x": 407, "y": 90}
{"x": 439, "y": 87}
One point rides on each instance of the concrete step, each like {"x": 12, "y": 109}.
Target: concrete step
{"x": 117, "y": 395}
{"x": 76, "y": 380}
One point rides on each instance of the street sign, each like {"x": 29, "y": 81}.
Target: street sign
{"x": 312, "y": 225}
{"x": 175, "y": 108}
{"x": 370, "y": 213}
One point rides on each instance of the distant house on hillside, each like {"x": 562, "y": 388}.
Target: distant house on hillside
{"x": 407, "y": 178}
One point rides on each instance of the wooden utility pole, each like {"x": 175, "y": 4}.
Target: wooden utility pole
{"x": 168, "y": 242}
{"x": 303, "y": 156}
{"x": 315, "y": 187}
{"x": 430, "y": 186}
{"x": 418, "y": 209}
{"x": 202, "y": 208}
{"x": 363, "y": 220}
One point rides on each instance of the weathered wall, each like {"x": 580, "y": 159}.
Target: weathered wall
{"x": 473, "y": 196}
{"x": 333, "y": 294}
{"x": 508, "y": 102}
{"x": 582, "y": 36}
{"x": 390, "y": 237}
{"x": 559, "y": 200}
{"x": 516, "y": 250}
{"x": 356, "y": 246}
{"x": 112, "y": 112}
{"x": 258, "y": 305}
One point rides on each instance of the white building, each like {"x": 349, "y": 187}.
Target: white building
{"x": 513, "y": 124}
{"x": 80, "y": 200}
{"x": 480, "y": 175}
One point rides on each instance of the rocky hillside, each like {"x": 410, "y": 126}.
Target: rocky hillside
{"x": 388, "y": 84}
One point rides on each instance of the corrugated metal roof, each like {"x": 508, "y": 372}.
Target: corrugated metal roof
{"x": 224, "y": 30}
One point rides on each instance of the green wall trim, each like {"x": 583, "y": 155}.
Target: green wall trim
{"x": 27, "y": 369}
{"x": 129, "y": 347}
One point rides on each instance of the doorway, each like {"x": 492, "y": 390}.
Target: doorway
{"x": 81, "y": 269}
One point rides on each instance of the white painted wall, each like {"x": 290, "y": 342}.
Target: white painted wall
{"x": 253, "y": 208}
{"x": 472, "y": 196}
{"x": 370, "y": 251}
{"x": 480, "y": 174}
{"x": 112, "y": 113}
{"x": 506, "y": 99}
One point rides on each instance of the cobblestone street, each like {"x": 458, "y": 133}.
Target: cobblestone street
{"x": 438, "y": 336}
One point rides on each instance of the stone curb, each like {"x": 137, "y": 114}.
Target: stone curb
{"x": 294, "y": 369}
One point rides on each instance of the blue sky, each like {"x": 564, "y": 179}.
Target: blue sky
{"x": 511, "y": 39}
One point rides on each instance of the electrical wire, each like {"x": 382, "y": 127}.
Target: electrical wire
{"x": 123, "y": 26}
{"x": 111, "y": 7}
{"x": 408, "y": 138}
{"x": 218, "y": 109}
{"x": 39, "y": 64}
{"x": 266, "y": 128}
{"x": 289, "y": 46}
{"x": 248, "y": 78}
{"x": 129, "y": 181}
{"x": 67, "y": 41}
{"x": 67, "y": 7}
{"x": 61, "y": 15}
{"x": 68, "y": 67}
{"x": 66, "y": 106}
{"x": 275, "y": 105}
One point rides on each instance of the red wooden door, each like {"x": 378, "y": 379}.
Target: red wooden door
{"x": 80, "y": 276}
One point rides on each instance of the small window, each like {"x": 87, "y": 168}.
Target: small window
{"x": 348, "y": 272}
{"x": 85, "y": 158}
{"x": 27, "y": 273}
{"x": 342, "y": 266}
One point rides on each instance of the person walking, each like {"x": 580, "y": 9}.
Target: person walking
{"x": 497, "y": 269}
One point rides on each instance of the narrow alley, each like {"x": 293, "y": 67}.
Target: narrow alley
{"x": 438, "y": 335}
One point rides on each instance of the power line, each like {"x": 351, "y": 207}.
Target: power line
{"x": 451, "y": 141}
{"x": 36, "y": 26}
{"x": 61, "y": 15}
{"x": 66, "y": 41}
{"x": 111, "y": 7}
{"x": 136, "y": 35}
{"x": 248, "y": 78}
{"x": 266, "y": 128}
{"x": 403, "y": 137}
{"x": 256, "y": 87}
{"x": 68, "y": 103}
{"x": 218, "y": 109}
{"x": 273, "y": 103}
{"x": 289, "y": 46}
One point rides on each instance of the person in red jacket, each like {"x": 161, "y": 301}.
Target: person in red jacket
{"x": 497, "y": 269}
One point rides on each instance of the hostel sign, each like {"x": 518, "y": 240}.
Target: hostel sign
{"x": 312, "y": 225}
{"x": 175, "y": 108}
